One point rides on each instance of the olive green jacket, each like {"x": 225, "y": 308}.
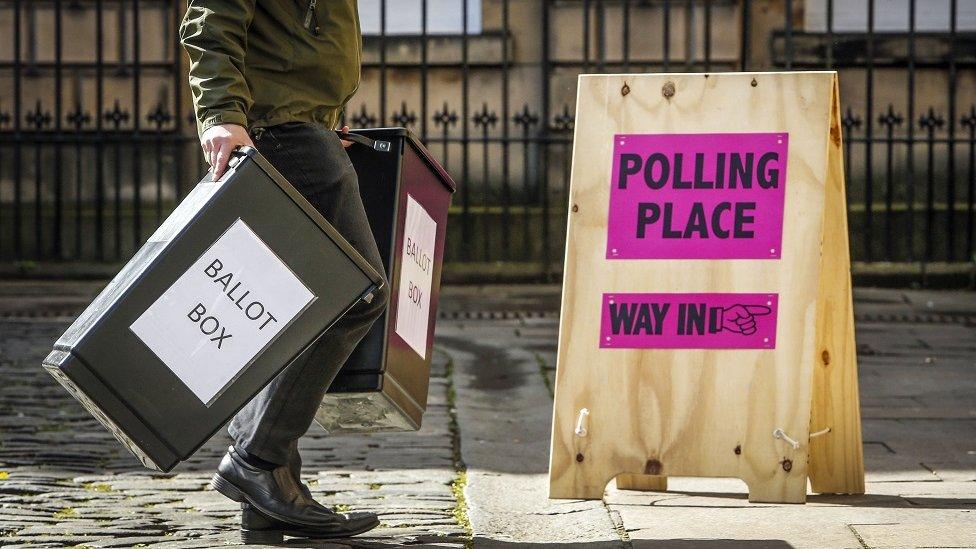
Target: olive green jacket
{"x": 266, "y": 62}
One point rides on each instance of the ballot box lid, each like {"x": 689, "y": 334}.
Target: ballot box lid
{"x": 415, "y": 144}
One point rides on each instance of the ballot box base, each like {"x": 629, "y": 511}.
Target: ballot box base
{"x": 58, "y": 363}
{"x": 368, "y": 412}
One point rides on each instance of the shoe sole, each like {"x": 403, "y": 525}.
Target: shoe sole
{"x": 226, "y": 488}
{"x": 271, "y": 537}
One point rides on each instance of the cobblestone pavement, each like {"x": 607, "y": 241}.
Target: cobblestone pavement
{"x": 64, "y": 481}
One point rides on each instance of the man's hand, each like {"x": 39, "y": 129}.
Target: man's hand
{"x": 346, "y": 144}
{"x": 219, "y": 141}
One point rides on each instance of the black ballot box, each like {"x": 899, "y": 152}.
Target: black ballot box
{"x": 240, "y": 279}
{"x": 406, "y": 193}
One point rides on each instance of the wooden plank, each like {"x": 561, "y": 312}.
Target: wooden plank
{"x": 690, "y": 412}
{"x": 645, "y": 483}
{"x": 836, "y": 458}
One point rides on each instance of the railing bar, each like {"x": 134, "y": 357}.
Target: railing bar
{"x": 122, "y": 40}
{"x": 689, "y": 35}
{"x": 58, "y": 97}
{"x": 910, "y": 141}
{"x": 506, "y": 191}
{"x": 423, "y": 69}
{"x": 136, "y": 127}
{"x": 485, "y": 186}
{"x": 586, "y": 35}
{"x": 38, "y": 218}
{"x": 18, "y": 151}
{"x": 601, "y": 37}
{"x": 383, "y": 80}
{"x": 178, "y": 101}
{"x": 666, "y": 21}
{"x": 159, "y": 178}
{"x": 889, "y": 185}
{"x": 625, "y": 35}
{"x": 117, "y": 198}
{"x": 869, "y": 134}
{"x": 177, "y": 98}
{"x": 707, "y": 31}
{"x": 99, "y": 126}
{"x": 971, "y": 207}
{"x": 930, "y": 188}
{"x": 830, "y": 34}
{"x": 744, "y": 33}
{"x": 542, "y": 177}
{"x": 465, "y": 112}
{"x": 79, "y": 186}
{"x": 789, "y": 35}
{"x": 951, "y": 128}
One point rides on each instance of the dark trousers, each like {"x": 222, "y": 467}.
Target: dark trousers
{"x": 313, "y": 160}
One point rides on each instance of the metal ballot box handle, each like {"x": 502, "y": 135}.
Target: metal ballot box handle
{"x": 375, "y": 144}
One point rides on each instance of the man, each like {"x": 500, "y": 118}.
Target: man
{"x": 281, "y": 71}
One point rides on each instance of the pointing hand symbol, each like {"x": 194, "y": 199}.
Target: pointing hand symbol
{"x": 742, "y": 318}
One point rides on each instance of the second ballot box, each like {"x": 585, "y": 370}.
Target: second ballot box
{"x": 406, "y": 193}
{"x": 242, "y": 277}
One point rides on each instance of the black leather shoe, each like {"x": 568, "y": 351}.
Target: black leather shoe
{"x": 259, "y": 529}
{"x": 278, "y": 496}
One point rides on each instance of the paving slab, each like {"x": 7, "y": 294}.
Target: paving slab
{"x": 504, "y": 410}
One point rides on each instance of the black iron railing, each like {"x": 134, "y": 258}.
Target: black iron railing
{"x": 97, "y": 143}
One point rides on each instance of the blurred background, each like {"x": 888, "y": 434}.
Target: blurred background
{"x": 98, "y": 143}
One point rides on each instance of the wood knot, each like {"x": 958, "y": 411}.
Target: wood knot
{"x": 668, "y": 90}
{"x": 835, "y": 135}
{"x": 625, "y": 90}
{"x": 754, "y": 83}
{"x": 575, "y": 207}
{"x": 738, "y": 449}
{"x": 579, "y": 457}
{"x": 825, "y": 357}
{"x": 787, "y": 465}
{"x": 652, "y": 467}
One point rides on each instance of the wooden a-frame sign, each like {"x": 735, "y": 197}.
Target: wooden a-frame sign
{"x": 707, "y": 324}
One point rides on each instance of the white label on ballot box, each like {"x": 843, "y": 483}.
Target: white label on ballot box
{"x": 217, "y": 316}
{"x": 416, "y": 276}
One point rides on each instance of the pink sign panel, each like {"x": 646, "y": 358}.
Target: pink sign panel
{"x": 689, "y": 321}
{"x": 697, "y": 196}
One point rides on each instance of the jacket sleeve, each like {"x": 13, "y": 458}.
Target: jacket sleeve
{"x": 214, "y": 35}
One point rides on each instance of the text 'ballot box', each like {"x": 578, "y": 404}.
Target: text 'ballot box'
{"x": 406, "y": 193}
{"x": 242, "y": 277}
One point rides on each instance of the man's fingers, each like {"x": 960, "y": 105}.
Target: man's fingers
{"x": 758, "y": 310}
{"x": 220, "y": 162}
